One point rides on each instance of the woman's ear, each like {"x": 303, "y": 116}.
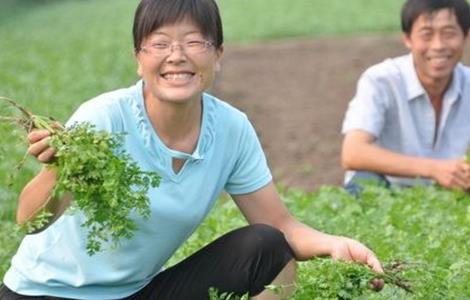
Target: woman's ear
{"x": 217, "y": 67}
{"x": 139, "y": 66}
{"x": 220, "y": 52}
{"x": 139, "y": 69}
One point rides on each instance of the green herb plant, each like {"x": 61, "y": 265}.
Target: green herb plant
{"x": 329, "y": 279}
{"x": 107, "y": 186}
{"x": 214, "y": 294}
{"x": 341, "y": 280}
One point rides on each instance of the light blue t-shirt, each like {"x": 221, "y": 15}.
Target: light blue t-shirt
{"x": 228, "y": 157}
{"x": 392, "y": 105}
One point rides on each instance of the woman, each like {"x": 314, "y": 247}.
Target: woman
{"x": 200, "y": 146}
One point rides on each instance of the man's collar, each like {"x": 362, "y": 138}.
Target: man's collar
{"x": 414, "y": 88}
{"x": 454, "y": 90}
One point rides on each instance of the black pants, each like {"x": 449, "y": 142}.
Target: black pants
{"x": 242, "y": 261}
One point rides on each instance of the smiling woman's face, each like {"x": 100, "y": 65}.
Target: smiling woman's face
{"x": 178, "y": 76}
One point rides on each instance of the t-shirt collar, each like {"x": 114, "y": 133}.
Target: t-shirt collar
{"x": 153, "y": 142}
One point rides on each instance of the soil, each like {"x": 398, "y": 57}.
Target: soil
{"x": 295, "y": 92}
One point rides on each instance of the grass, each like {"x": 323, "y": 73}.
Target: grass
{"x": 248, "y": 20}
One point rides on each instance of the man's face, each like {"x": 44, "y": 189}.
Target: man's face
{"x": 436, "y": 42}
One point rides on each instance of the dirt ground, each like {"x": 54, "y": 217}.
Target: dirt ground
{"x": 295, "y": 93}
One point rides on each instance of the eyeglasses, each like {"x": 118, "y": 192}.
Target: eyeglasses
{"x": 165, "y": 49}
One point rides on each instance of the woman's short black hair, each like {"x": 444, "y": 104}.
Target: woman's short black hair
{"x": 152, "y": 14}
{"x": 412, "y": 9}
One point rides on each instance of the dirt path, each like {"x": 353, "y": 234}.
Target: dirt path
{"x": 296, "y": 93}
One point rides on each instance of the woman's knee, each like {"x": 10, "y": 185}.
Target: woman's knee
{"x": 264, "y": 238}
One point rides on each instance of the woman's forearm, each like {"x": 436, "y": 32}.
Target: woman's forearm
{"x": 305, "y": 241}
{"x": 36, "y": 196}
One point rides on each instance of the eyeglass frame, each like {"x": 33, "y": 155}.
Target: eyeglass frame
{"x": 170, "y": 47}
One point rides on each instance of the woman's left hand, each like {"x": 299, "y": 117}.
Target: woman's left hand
{"x": 343, "y": 248}
{"x": 351, "y": 250}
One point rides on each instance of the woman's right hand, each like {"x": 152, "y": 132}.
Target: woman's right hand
{"x": 39, "y": 145}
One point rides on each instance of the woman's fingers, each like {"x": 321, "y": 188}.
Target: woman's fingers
{"x": 352, "y": 250}
{"x": 38, "y": 147}
{"x": 37, "y": 135}
{"x": 373, "y": 262}
{"x": 47, "y": 155}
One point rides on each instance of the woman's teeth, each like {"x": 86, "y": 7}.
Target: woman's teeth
{"x": 178, "y": 76}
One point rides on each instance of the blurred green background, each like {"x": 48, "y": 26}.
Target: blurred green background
{"x": 56, "y": 53}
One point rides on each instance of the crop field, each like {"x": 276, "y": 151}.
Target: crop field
{"x": 423, "y": 230}
{"x": 55, "y": 54}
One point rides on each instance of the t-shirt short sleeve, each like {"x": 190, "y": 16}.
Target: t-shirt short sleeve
{"x": 97, "y": 112}
{"x": 251, "y": 171}
{"x": 367, "y": 109}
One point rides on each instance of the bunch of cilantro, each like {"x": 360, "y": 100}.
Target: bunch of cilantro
{"x": 107, "y": 186}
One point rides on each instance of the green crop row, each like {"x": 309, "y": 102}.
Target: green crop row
{"x": 425, "y": 228}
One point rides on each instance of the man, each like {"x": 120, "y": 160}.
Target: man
{"x": 409, "y": 121}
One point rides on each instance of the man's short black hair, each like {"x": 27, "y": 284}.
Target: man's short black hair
{"x": 412, "y": 9}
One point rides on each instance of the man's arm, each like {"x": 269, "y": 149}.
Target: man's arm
{"x": 359, "y": 152}
{"x": 265, "y": 206}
